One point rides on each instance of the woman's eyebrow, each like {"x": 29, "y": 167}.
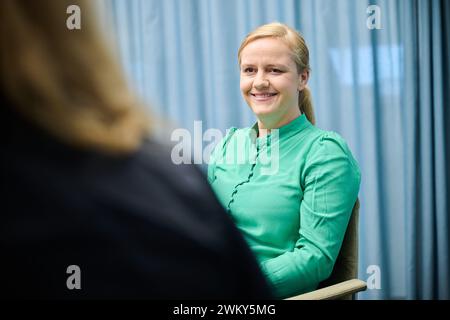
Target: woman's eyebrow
{"x": 282, "y": 66}
{"x": 271, "y": 65}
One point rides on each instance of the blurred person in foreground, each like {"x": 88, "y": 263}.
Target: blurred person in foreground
{"x": 83, "y": 184}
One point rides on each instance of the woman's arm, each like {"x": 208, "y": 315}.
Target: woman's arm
{"x": 331, "y": 184}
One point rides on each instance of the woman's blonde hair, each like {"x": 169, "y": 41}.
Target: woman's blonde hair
{"x": 300, "y": 54}
{"x": 66, "y": 81}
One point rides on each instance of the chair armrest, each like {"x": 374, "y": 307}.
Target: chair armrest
{"x": 333, "y": 292}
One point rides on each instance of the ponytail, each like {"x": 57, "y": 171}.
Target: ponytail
{"x": 305, "y": 104}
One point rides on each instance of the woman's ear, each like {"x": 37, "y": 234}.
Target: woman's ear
{"x": 303, "y": 79}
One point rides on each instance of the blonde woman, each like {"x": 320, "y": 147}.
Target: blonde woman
{"x": 294, "y": 218}
{"x": 91, "y": 208}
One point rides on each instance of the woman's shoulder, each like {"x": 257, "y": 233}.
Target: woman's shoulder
{"x": 328, "y": 145}
{"x": 329, "y": 152}
{"x": 325, "y": 141}
{"x": 233, "y": 133}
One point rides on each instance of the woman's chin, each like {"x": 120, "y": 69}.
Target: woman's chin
{"x": 263, "y": 110}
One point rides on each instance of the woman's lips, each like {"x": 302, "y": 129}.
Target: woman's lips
{"x": 263, "y": 96}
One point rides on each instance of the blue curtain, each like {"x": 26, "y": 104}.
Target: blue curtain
{"x": 386, "y": 91}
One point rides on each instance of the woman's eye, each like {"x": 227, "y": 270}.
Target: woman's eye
{"x": 249, "y": 70}
{"x": 275, "y": 70}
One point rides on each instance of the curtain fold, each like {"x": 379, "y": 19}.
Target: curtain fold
{"x": 386, "y": 91}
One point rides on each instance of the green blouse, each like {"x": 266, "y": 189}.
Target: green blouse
{"x": 291, "y": 194}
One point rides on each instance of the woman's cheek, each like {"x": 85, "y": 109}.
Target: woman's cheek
{"x": 245, "y": 84}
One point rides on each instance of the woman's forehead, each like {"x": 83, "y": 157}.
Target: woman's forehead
{"x": 270, "y": 50}
{"x": 266, "y": 48}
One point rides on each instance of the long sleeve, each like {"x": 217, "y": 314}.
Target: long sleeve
{"x": 331, "y": 181}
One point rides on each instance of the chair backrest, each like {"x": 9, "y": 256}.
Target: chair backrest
{"x": 346, "y": 266}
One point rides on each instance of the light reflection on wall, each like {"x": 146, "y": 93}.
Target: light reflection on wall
{"x": 387, "y": 69}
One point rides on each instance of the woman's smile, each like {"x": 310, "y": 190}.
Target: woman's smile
{"x": 263, "y": 97}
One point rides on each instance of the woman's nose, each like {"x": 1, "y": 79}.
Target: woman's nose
{"x": 260, "y": 82}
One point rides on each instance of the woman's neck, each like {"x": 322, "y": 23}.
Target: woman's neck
{"x": 266, "y": 125}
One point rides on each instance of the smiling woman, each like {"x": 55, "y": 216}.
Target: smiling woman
{"x": 294, "y": 218}
{"x": 270, "y": 82}
{"x": 286, "y": 50}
